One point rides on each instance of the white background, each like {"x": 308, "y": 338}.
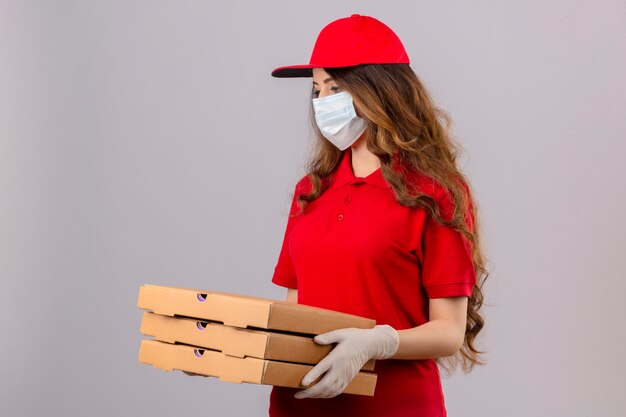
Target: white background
{"x": 145, "y": 142}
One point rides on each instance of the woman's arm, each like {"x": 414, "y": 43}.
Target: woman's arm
{"x": 441, "y": 336}
{"x": 292, "y": 295}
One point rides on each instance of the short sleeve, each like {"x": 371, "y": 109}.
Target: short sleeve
{"x": 447, "y": 266}
{"x": 284, "y": 271}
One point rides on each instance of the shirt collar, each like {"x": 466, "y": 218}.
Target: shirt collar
{"x": 344, "y": 174}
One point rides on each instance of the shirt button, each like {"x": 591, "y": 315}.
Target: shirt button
{"x": 340, "y": 217}
{"x": 348, "y": 200}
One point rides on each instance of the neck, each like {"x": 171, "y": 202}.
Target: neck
{"x": 364, "y": 162}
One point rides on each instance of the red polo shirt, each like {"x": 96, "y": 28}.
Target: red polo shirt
{"x": 359, "y": 251}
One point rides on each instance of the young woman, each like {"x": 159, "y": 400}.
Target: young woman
{"x": 382, "y": 226}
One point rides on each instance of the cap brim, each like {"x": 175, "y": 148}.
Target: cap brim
{"x": 293, "y": 71}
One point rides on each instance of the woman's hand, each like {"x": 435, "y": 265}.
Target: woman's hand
{"x": 340, "y": 366}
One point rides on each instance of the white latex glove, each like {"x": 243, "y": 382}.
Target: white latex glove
{"x": 354, "y": 348}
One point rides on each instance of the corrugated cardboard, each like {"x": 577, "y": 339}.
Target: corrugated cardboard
{"x": 244, "y": 311}
{"x": 234, "y": 341}
{"x": 168, "y": 357}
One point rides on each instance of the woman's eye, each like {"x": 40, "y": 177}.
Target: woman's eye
{"x": 335, "y": 89}
{"x": 316, "y": 93}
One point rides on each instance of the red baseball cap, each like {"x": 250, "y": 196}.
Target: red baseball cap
{"x": 350, "y": 41}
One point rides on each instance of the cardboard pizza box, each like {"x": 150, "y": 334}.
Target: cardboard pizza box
{"x": 169, "y": 357}
{"x": 235, "y": 341}
{"x": 245, "y": 311}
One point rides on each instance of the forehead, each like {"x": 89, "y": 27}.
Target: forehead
{"x": 320, "y": 76}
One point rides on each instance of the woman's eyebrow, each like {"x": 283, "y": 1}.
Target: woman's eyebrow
{"x": 327, "y": 80}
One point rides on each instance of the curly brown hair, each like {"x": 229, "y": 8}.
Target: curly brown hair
{"x": 411, "y": 137}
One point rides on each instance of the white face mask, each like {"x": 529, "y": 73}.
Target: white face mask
{"x": 337, "y": 120}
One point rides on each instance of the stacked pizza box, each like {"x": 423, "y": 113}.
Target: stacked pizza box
{"x": 240, "y": 338}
